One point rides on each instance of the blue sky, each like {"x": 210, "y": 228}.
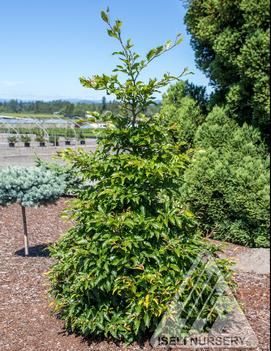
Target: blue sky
{"x": 46, "y": 45}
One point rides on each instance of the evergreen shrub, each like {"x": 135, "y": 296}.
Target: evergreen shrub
{"x": 227, "y": 183}
{"x": 30, "y": 187}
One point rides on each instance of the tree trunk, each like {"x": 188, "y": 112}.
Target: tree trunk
{"x": 26, "y": 251}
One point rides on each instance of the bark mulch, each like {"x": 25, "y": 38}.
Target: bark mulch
{"x": 26, "y": 322}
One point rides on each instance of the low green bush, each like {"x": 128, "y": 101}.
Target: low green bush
{"x": 227, "y": 183}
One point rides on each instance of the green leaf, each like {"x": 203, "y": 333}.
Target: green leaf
{"x": 151, "y": 54}
{"x": 112, "y": 33}
{"x": 168, "y": 44}
{"x": 118, "y": 25}
{"x": 180, "y": 39}
{"x": 104, "y": 17}
{"x": 147, "y": 319}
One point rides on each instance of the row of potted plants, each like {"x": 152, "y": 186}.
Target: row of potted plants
{"x": 41, "y": 139}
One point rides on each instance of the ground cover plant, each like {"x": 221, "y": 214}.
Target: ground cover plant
{"x": 132, "y": 244}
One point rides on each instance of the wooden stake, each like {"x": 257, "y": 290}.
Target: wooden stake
{"x": 26, "y": 251}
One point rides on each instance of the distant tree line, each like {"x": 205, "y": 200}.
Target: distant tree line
{"x": 62, "y": 107}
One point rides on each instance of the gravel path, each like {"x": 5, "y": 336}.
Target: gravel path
{"x": 25, "y": 320}
{"x": 27, "y": 156}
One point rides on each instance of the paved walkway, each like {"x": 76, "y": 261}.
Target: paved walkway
{"x": 22, "y": 156}
{"x": 248, "y": 260}
{"x": 253, "y": 261}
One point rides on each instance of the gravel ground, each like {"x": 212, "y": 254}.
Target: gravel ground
{"x": 27, "y": 156}
{"x": 26, "y": 323}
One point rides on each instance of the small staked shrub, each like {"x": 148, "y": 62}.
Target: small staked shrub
{"x": 132, "y": 244}
{"x": 25, "y": 138}
{"x": 69, "y": 134}
{"x": 40, "y": 137}
{"x": 54, "y": 139}
{"x": 29, "y": 187}
{"x": 80, "y": 135}
{"x": 12, "y": 139}
{"x": 227, "y": 183}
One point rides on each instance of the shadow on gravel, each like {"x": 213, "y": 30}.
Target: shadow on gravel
{"x": 36, "y": 251}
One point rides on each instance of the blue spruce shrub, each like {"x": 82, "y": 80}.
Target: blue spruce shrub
{"x": 30, "y": 187}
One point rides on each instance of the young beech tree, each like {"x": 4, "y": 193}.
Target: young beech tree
{"x": 30, "y": 187}
{"x": 132, "y": 244}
